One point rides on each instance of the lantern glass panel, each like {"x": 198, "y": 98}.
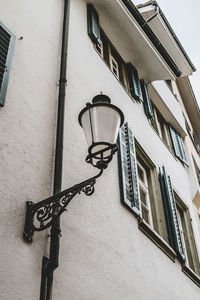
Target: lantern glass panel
{"x": 101, "y": 124}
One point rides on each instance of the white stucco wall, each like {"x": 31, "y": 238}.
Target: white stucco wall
{"x": 27, "y": 123}
{"x": 103, "y": 254}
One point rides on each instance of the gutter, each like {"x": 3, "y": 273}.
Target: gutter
{"x": 153, "y": 38}
{"x": 155, "y": 4}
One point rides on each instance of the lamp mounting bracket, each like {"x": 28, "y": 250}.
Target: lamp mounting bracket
{"x": 43, "y": 214}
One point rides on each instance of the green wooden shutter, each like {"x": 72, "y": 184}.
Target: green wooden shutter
{"x": 7, "y": 41}
{"x": 134, "y": 82}
{"x": 169, "y": 204}
{"x": 178, "y": 146}
{"x": 146, "y": 101}
{"x": 128, "y": 170}
{"x": 93, "y": 24}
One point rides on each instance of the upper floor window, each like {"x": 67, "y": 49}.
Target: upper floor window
{"x": 161, "y": 127}
{"x": 140, "y": 190}
{"x": 169, "y": 135}
{"x": 114, "y": 66}
{"x": 99, "y": 47}
{"x": 112, "y": 58}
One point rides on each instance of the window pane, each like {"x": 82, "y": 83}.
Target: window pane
{"x": 145, "y": 214}
{"x": 143, "y": 197}
{"x": 140, "y": 173}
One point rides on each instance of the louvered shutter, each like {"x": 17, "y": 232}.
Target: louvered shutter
{"x": 7, "y": 41}
{"x": 134, "y": 82}
{"x": 169, "y": 204}
{"x": 93, "y": 24}
{"x": 178, "y": 145}
{"x": 146, "y": 101}
{"x": 128, "y": 170}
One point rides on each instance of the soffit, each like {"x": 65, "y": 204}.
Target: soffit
{"x": 160, "y": 29}
{"x": 130, "y": 41}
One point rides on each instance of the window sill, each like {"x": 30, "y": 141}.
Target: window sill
{"x": 191, "y": 274}
{"x": 157, "y": 239}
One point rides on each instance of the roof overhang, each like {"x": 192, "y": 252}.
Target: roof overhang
{"x": 162, "y": 29}
{"x": 130, "y": 40}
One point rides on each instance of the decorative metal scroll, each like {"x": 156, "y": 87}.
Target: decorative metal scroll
{"x": 43, "y": 214}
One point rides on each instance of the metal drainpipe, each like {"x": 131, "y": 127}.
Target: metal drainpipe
{"x": 51, "y": 263}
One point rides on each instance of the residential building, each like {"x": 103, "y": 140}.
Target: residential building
{"x": 138, "y": 235}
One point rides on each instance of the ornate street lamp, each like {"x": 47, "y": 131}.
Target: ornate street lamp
{"x": 101, "y": 121}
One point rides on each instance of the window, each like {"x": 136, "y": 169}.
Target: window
{"x": 115, "y": 63}
{"x": 99, "y": 47}
{"x": 161, "y": 127}
{"x": 7, "y": 41}
{"x": 139, "y": 185}
{"x": 179, "y": 225}
{"x": 104, "y": 46}
{"x": 114, "y": 66}
{"x": 183, "y": 234}
{"x": 112, "y": 58}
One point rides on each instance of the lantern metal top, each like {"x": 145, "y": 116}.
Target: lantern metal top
{"x": 101, "y": 100}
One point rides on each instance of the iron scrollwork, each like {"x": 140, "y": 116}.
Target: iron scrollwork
{"x": 43, "y": 214}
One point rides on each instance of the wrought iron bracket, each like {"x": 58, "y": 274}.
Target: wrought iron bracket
{"x": 43, "y": 214}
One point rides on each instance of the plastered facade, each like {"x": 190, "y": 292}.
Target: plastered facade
{"x": 27, "y": 138}
{"x": 103, "y": 254}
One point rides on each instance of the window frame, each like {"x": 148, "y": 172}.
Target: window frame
{"x": 108, "y": 53}
{"x": 155, "y": 197}
{"x": 144, "y": 186}
{"x": 157, "y": 123}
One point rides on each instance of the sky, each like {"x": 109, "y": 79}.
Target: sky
{"x": 183, "y": 16}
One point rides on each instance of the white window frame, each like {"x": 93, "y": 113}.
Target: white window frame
{"x": 143, "y": 185}
{"x": 99, "y": 48}
{"x": 165, "y": 139}
{"x": 182, "y": 232}
{"x": 112, "y": 67}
